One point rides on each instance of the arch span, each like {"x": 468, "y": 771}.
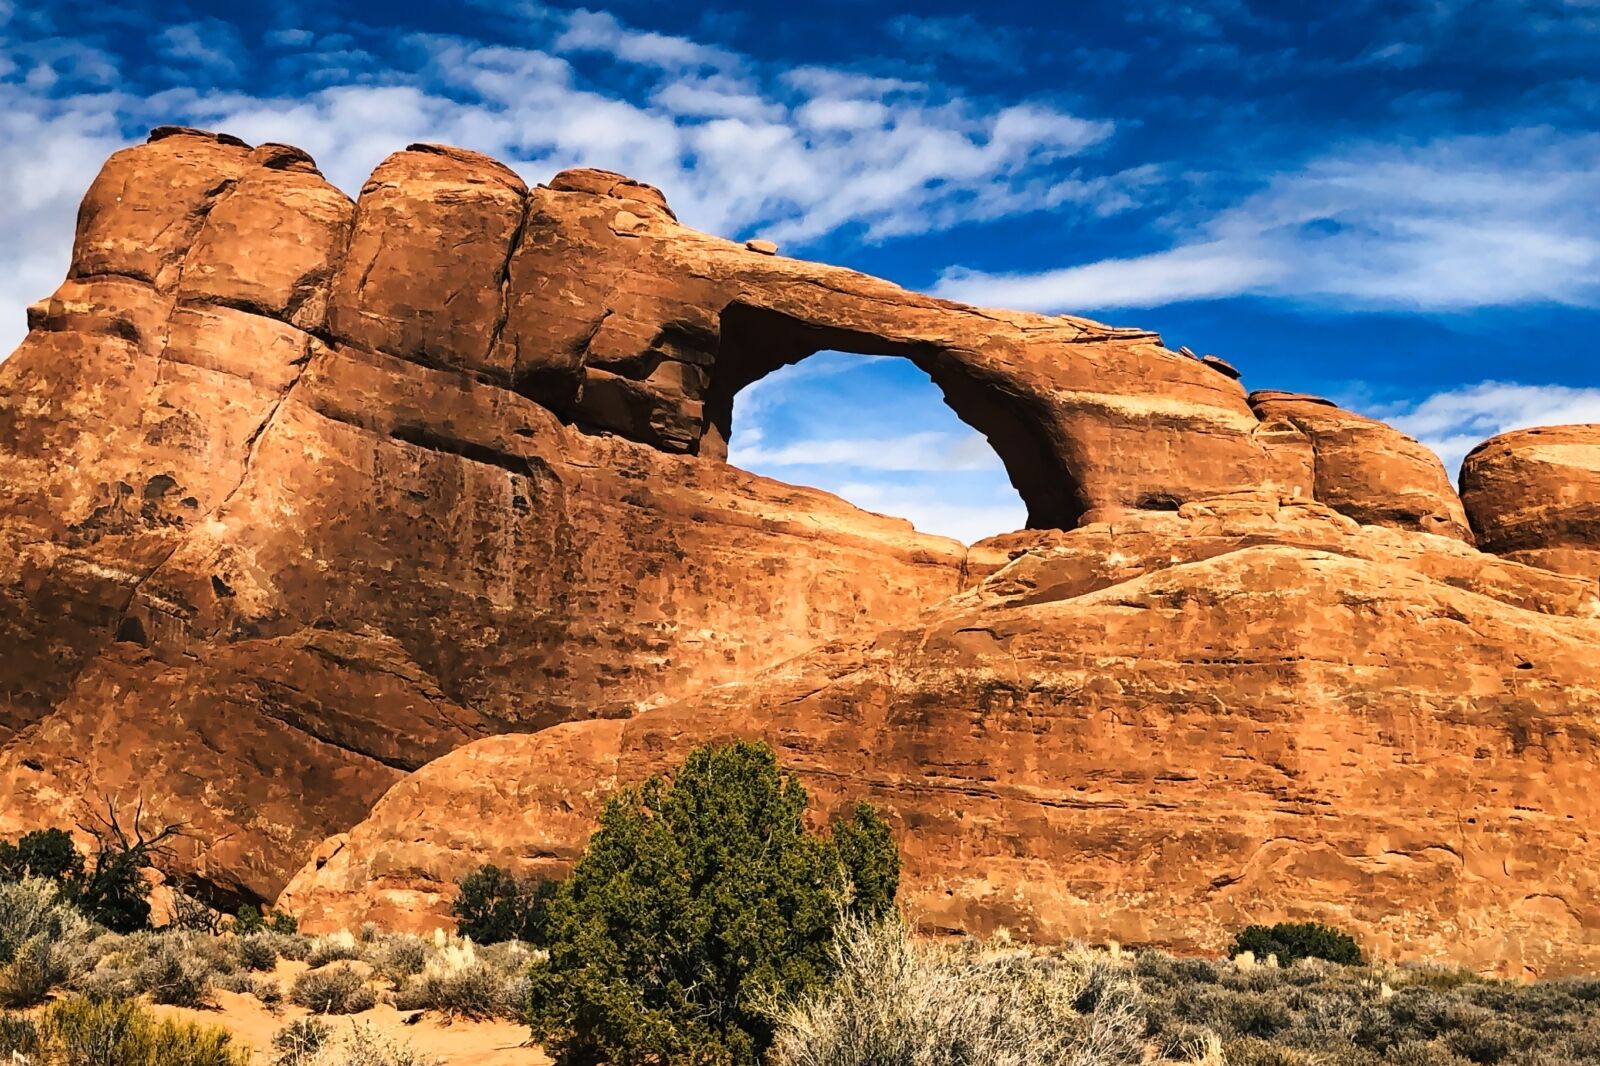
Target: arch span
{"x": 755, "y": 341}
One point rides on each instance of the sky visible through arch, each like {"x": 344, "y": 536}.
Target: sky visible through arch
{"x": 1394, "y": 204}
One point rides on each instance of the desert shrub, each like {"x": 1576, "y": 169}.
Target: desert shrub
{"x": 1253, "y": 1051}
{"x": 301, "y": 1041}
{"x": 79, "y": 1031}
{"x": 1290, "y": 941}
{"x": 337, "y": 989}
{"x": 257, "y": 951}
{"x": 335, "y": 947}
{"x": 459, "y": 981}
{"x": 288, "y": 945}
{"x": 247, "y": 921}
{"x": 493, "y": 905}
{"x": 1336, "y": 1015}
{"x": 398, "y": 956}
{"x": 895, "y": 1001}
{"x": 19, "y": 1036}
{"x": 172, "y": 967}
{"x": 695, "y": 902}
{"x": 265, "y": 989}
{"x": 43, "y": 941}
{"x": 871, "y": 860}
{"x": 359, "y": 1045}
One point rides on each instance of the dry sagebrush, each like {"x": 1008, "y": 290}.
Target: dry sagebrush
{"x": 42, "y": 941}
{"x": 896, "y": 1001}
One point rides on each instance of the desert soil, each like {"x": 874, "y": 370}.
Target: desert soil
{"x": 450, "y": 1043}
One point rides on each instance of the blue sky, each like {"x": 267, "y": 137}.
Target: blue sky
{"x": 1393, "y": 204}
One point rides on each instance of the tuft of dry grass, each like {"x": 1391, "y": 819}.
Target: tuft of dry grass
{"x": 461, "y": 980}
{"x": 896, "y": 1001}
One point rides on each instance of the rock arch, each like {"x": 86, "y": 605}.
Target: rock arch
{"x": 756, "y": 340}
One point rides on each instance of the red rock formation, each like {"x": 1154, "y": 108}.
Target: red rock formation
{"x": 1155, "y": 732}
{"x": 303, "y": 501}
{"x": 1534, "y": 496}
{"x": 260, "y": 573}
{"x": 1366, "y": 469}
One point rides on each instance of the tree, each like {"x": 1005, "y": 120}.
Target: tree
{"x": 1291, "y": 941}
{"x": 493, "y": 905}
{"x": 697, "y": 905}
{"x": 115, "y": 892}
{"x": 871, "y": 861}
{"x": 46, "y": 853}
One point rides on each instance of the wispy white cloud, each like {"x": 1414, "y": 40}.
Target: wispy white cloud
{"x": 1455, "y": 421}
{"x": 874, "y": 431}
{"x": 965, "y": 516}
{"x": 600, "y": 31}
{"x": 739, "y": 147}
{"x": 1452, "y": 224}
{"x": 928, "y": 451}
{"x": 52, "y": 149}
{"x": 210, "y": 44}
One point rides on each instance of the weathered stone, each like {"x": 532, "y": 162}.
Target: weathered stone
{"x": 272, "y": 243}
{"x": 1534, "y": 496}
{"x": 144, "y": 209}
{"x": 422, "y": 279}
{"x": 343, "y": 533}
{"x": 1155, "y": 732}
{"x": 1367, "y": 469}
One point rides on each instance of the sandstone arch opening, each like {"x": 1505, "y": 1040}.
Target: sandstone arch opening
{"x": 758, "y": 342}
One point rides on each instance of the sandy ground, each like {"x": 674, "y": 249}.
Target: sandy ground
{"x": 456, "y": 1043}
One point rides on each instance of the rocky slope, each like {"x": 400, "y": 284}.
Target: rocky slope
{"x": 405, "y": 524}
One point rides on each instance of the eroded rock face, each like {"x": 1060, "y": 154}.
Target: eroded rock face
{"x": 1364, "y": 468}
{"x": 258, "y": 572}
{"x": 378, "y": 539}
{"x": 1152, "y": 732}
{"x": 1534, "y": 496}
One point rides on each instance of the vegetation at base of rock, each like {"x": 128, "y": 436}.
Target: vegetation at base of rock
{"x": 896, "y": 1001}
{"x": 339, "y": 988}
{"x": 696, "y": 904}
{"x": 1316, "y": 1013}
{"x": 45, "y": 853}
{"x": 81, "y": 1031}
{"x": 109, "y": 887}
{"x": 1290, "y": 942}
{"x": 493, "y": 905}
{"x": 249, "y": 919}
